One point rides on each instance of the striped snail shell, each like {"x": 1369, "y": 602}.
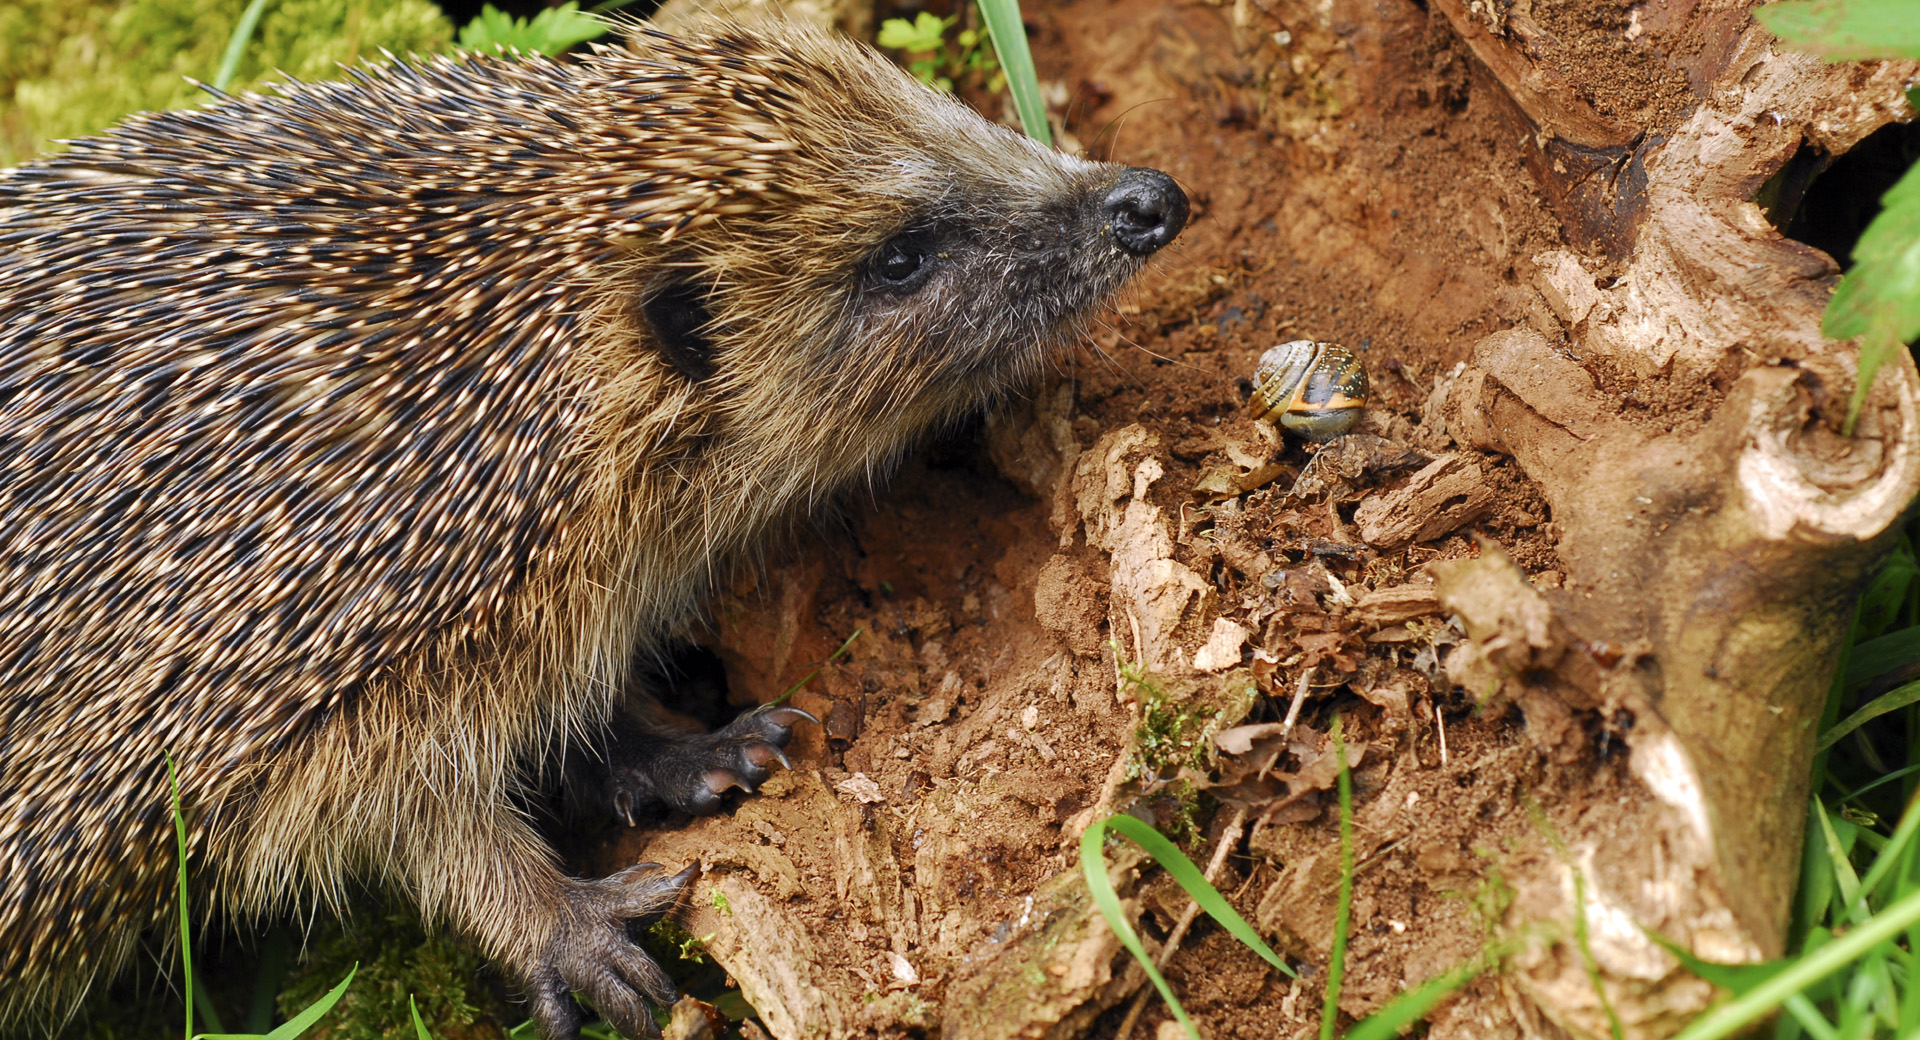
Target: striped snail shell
{"x": 1315, "y": 390}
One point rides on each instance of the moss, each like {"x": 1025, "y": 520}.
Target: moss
{"x": 72, "y": 68}
{"x": 397, "y": 958}
{"x": 1178, "y": 721}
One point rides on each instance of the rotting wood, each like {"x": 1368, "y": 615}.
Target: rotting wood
{"x": 1444, "y": 496}
{"x": 1714, "y": 557}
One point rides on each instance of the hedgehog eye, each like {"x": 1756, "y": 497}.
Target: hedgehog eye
{"x": 902, "y": 264}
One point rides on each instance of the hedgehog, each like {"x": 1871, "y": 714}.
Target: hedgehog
{"x": 356, "y": 437}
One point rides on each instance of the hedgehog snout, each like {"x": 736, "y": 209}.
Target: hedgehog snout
{"x": 1144, "y": 210}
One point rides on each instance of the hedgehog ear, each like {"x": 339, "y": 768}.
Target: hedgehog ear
{"x": 676, "y": 313}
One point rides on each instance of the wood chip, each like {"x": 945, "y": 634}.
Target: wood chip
{"x": 1391, "y": 606}
{"x": 1446, "y": 495}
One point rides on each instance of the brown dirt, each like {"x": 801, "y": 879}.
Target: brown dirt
{"x": 1356, "y": 176}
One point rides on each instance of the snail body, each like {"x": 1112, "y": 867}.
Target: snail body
{"x": 1314, "y": 390}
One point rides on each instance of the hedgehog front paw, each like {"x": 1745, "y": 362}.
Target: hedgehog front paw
{"x": 692, "y": 772}
{"x": 593, "y": 956}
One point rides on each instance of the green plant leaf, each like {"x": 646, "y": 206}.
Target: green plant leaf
{"x": 1876, "y": 657}
{"x": 924, "y": 33}
{"x": 1188, "y": 876}
{"x": 1879, "y": 299}
{"x": 832, "y": 657}
{"x": 550, "y": 32}
{"x": 237, "y": 43}
{"x": 1010, "y": 43}
{"x": 1846, "y": 30}
{"x": 300, "y": 1023}
{"x": 419, "y": 1027}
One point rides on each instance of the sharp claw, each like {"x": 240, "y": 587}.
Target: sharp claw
{"x": 719, "y": 781}
{"x": 623, "y": 804}
{"x": 761, "y": 753}
{"x": 687, "y": 874}
{"x": 785, "y": 716}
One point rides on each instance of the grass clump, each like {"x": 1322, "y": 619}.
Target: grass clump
{"x": 72, "y": 68}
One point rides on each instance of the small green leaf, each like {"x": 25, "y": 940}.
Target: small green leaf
{"x": 550, "y": 32}
{"x": 1879, "y": 299}
{"x": 300, "y": 1023}
{"x": 237, "y": 43}
{"x": 180, "y": 840}
{"x": 419, "y": 1027}
{"x": 924, "y": 33}
{"x": 1846, "y": 30}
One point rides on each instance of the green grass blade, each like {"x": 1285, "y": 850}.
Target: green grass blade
{"x": 303, "y": 1021}
{"x": 832, "y": 657}
{"x": 1893, "y": 700}
{"x": 186, "y": 937}
{"x": 1337, "y": 959}
{"x": 1408, "y": 1008}
{"x": 1896, "y": 853}
{"x": 1093, "y": 865}
{"x": 1729, "y": 1018}
{"x": 209, "y": 1016}
{"x": 1843, "y": 873}
{"x": 237, "y": 43}
{"x": 1185, "y": 873}
{"x": 419, "y": 1027}
{"x": 272, "y": 974}
{"x": 1010, "y": 43}
{"x": 1809, "y": 1018}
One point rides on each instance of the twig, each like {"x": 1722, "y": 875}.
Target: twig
{"x": 1228, "y": 839}
{"x": 1440, "y": 724}
{"x": 1299, "y": 697}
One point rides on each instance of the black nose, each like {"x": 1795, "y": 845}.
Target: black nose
{"x": 1145, "y": 210}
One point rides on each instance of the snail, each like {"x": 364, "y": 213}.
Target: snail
{"x": 1315, "y": 390}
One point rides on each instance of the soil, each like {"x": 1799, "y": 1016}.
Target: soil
{"x": 1358, "y": 177}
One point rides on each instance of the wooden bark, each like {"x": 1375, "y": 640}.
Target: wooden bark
{"x": 1711, "y": 563}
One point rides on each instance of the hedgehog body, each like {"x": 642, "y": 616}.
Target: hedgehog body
{"x": 353, "y": 439}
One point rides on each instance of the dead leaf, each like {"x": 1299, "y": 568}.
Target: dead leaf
{"x": 1239, "y": 740}
{"x": 861, "y": 788}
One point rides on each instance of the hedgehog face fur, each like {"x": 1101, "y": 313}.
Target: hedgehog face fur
{"x": 353, "y": 439}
